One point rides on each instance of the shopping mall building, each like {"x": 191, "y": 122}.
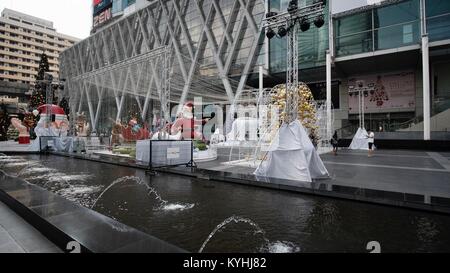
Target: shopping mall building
{"x": 219, "y": 51}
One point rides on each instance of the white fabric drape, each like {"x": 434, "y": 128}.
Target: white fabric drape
{"x": 292, "y": 156}
{"x": 360, "y": 140}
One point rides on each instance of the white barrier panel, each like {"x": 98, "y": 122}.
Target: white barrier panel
{"x": 164, "y": 152}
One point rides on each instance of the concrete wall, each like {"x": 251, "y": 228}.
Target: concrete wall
{"x": 13, "y": 89}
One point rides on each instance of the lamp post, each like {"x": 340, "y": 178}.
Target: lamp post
{"x": 50, "y": 85}
{"x": 362, "y": 92}
{"x": 288, "y": 24}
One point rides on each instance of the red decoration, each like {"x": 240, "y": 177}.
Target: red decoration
{"x": 24, "y": 140}
{"x": 54, "y": 109}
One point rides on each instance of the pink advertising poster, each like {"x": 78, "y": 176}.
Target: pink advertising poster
{"x": 384, "y": 92}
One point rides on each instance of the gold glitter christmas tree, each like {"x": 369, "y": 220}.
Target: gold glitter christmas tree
{"x": 306, "y": 109}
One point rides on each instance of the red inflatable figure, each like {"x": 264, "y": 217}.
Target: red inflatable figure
{"x": 186, "y": 123}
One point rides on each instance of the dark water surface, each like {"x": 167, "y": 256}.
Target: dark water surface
{"x": 287, "y": 222}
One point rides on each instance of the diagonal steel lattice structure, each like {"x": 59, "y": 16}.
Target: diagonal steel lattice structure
{"x": 214, "y": 46}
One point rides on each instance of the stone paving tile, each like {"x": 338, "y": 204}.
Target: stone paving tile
{"x": 4, "y": 237}
{"x": 52, "y": 249}
{"x": 17, "y": 236}
{"x": 414, "y": 172}
{"x": 11, "y": 248}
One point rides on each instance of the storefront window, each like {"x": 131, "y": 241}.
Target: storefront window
{"x": 400, "y": 13}
{"x": 381, "y": 28}
{"x": 354, "y": 34}
{"x": 397, "y": 25}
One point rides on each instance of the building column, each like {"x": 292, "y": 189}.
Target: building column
{"x": 426, "y": 88}
{"x": 328, "y": 72}
{"x": 261, "y": 79}
{"x": 329, "y": 59}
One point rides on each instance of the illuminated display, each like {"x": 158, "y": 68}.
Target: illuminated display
{"x": 101, "y": 5}
{"x": 103, "y": 16}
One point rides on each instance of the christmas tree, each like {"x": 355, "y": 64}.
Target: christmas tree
{"x": 64, "y": 104}
{"x": 133, "y": 113}
{"x": 4, "y": 123}
{"x": 306, "y": 109}
{"x": 13, "y": 133}
{"x": 39, "y": 93}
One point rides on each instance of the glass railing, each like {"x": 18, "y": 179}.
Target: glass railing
{"x": 397, "y": 35}
{"x": 438, "y": 27}
{"x": 354, "y": 44}
{"x": 396, "y": 126}
{"x": 385, "y": 38}
{"x": 440, "y": 105}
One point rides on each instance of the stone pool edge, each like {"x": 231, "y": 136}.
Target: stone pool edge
{"x": 12, "y": 190}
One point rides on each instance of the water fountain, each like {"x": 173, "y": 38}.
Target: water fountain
{"x": 36, "y": 170}
{"x": 26, "y": 165}
{"x": 275, "y": 247}
{"x": 163, "y": 204}
{"x": 264, "y": 220}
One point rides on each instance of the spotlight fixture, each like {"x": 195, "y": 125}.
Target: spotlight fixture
{"x": 293, "y": 6}
{"x": 319, "y": 21}
{"x": 304, "y": 24}
{"x": 270, "y": 33}
{"x": 282, "y": 31}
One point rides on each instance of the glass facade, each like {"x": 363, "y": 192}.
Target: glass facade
{"x": 380, "y": 28}
{"x": 354, "y": 34}
{"x": 312, "y": 43}
{"x": 438, "y": 19}
{"x": 120, "y": 5}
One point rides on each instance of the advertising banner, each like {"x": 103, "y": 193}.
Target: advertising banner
{"x": 101, "y": 5}
{"x": 103, "y": 17}
{"x": 383, "y": 92}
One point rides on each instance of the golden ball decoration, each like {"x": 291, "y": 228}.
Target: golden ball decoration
{"x": 306, "y": 109}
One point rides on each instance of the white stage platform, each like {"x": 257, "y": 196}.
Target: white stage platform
{"x": 13, "y": 146}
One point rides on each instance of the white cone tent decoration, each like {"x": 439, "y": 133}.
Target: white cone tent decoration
{"x": 360, "y": 140}
{"x": 292, "y": 156}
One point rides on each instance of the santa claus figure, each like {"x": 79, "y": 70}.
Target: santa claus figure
{"x": 24, "y": 133}
{"x": 186, "y": 123}
{"x": 134, "y": 131}
{"x": 52, "y": 122}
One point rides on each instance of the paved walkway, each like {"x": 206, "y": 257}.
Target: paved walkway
{"x": 404, "y": 171}
{"x": 17, "y": 236}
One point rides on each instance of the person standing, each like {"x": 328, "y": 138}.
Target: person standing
{"x": 335, "y": 142}
{"x": 371, "y": 141}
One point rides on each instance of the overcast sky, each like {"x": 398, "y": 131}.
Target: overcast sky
{"x": 73, "y": 17}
